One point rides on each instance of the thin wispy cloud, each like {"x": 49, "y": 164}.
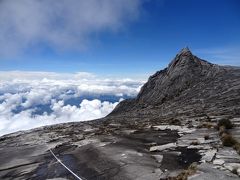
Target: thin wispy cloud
{"x": 60, "y": 25}
{"x": 221, "y": 55}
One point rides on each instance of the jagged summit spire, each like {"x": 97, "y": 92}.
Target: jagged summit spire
{"x": 185, "y": 50}
{"x": 185, "y": 57}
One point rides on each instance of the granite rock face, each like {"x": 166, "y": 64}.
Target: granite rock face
{"x": 184, "y": 71}
{"x": 189, "y": 85}
{"x": 167, "y": 127}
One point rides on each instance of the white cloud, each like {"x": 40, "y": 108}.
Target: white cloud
{"x": 22, "y": 92}
{"x": 60, "y": 24}
{"x": 49, "y": 84}
{"x": 88, "y": 110}
{"x": 45, "y": 76}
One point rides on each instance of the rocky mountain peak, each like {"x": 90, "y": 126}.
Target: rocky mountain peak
{"x": 185, "y": 50}
{"x": 183, "y": 73}
{"x": 183, "y": 59}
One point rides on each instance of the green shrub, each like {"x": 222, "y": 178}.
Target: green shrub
{"x": 228, "y": 140}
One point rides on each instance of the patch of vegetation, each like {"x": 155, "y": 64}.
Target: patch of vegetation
{"x": 226, "y": 123}
{"x": 237, "y": 147}
{"x": 208, "y": 125}
{"x": 228, "y": 140}
{"x": 226, "y": 137}
{"x": 192, "y": 169}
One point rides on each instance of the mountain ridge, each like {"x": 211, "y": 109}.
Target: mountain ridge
{"x": 185, "y": 72}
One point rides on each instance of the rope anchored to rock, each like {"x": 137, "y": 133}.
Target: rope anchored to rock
{"x": 65, "y": 166}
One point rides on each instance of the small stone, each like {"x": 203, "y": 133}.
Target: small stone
{"x": 238, "y": 171}
{"x": 209, "y": 155}
{"x": 158, "y": 171}
{"x": 159, "y": 158}
{"x": 163, "y": 147}
{"x": 232, "y": 166}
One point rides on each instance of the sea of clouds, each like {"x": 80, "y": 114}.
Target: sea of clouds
{"x": 34, "y": 99}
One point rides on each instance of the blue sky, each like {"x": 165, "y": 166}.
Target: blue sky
{"x": 143, "y": 37}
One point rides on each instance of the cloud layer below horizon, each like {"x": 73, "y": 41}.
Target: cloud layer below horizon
{"x": 33, "y": 99}
{"x": 60, "y": 25}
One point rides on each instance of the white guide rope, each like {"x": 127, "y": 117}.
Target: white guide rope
{"x": 65, "y": 165}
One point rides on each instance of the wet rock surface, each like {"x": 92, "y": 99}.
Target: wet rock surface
{"x": 170, "y": 125}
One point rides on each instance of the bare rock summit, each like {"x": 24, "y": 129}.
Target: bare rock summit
{"x": 189, "y": 85}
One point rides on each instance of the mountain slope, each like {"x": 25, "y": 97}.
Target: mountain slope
{"x": 188, "y": 85}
